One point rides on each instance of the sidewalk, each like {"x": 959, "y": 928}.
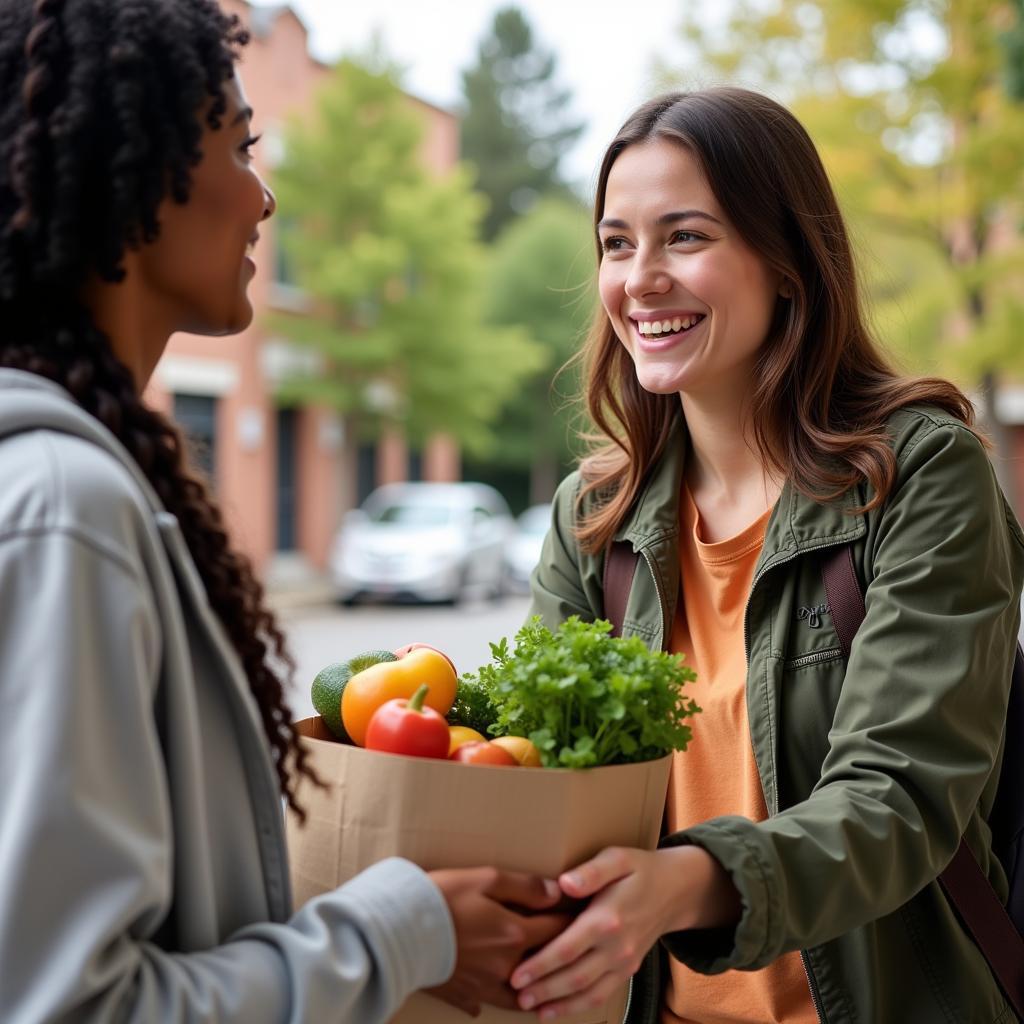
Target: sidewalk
{"x": 292, "y": 584}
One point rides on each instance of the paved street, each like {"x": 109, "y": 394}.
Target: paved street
{"x": 324, "y": 634}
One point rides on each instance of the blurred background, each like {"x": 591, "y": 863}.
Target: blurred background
{"x": 430, "y": 269}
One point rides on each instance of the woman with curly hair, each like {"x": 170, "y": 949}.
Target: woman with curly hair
{"x": 144, "y": 739}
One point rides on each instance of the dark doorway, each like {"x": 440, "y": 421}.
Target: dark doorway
{"x": 197, "y": 416}
{"x": 287, "y": 480}
{"x": 366, "y": 471}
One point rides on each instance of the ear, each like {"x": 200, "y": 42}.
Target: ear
{"x": 786, "y": 288}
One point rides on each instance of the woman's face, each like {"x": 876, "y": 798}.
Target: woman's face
{"x": 198, "y": 271}
{"x": 687, "y": 297}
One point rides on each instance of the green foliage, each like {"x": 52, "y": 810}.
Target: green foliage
{"x": 389, "y": 258}
{"x": 1012, "y": 40}
{"x": 540, "y": 279}
{"x": 585, "y": 698}
{"x": 912, "y": 104}
{"x": 515, "y": 130}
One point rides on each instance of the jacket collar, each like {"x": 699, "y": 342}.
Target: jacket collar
{"x": 797, "y": 523}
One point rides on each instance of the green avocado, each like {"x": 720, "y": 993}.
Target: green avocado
{"x": 330, "y": 684}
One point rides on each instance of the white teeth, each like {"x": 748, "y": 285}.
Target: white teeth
{"x": 649, "y": 327}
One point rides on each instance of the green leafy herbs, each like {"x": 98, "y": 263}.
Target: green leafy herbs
{"x": 583, "y": 697}
{"x": 472, "y": 706}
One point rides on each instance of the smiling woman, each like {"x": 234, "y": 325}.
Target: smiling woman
{"x": 751, "y": 433}
{"x": 652, "y": 260}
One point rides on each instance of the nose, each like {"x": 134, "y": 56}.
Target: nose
{"x": 646, "y": 276}
{"x": 269, "y": 202}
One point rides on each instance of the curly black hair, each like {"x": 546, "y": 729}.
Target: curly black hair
{"x": 101, "y": 119}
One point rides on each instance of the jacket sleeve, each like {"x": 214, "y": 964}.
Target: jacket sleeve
{"x": 85, "y": 844}
{"x": 917, "y": 730}
{"x": 555, "y": 585}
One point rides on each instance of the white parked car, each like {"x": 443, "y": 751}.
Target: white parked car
{"x": 523, "y": 553}
{"x": 427, "y": 541}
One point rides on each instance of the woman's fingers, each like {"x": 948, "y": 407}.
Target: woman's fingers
{"x": 582, "y": 936}
{"x": 569, "y": 982}
{"x": 608, "y": 866}
{"x": 597, "y": 995}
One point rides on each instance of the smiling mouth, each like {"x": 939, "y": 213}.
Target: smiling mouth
{"x": 656, "y": 330}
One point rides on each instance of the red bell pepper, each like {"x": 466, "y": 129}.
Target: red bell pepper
{"x": 407, "y": 727}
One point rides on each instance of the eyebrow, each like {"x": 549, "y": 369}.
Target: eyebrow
{"x": 245, "y": 112}
{"x": 665, "y": 218}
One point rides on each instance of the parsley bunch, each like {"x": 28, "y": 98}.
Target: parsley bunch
{"x": 585, "y": 698}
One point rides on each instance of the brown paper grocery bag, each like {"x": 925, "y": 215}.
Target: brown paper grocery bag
{"x": 442, "y": 814}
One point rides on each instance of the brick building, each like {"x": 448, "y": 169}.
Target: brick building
{"x": 284, "y": 476}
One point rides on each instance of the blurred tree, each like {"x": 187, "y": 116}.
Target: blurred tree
{"x": 907, "y": 101}
{"x": 388, "y": 258}
{"x": 515, "y": 129}
{"x": 1013, "y": 47}
{"x": 539, "y": 280}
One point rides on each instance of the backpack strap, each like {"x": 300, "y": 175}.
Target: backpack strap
{"x": 620, "y": 563}
{"x": 963, "y": 881}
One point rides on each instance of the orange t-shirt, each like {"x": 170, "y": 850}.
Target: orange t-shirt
{"x": 717, "y": 773}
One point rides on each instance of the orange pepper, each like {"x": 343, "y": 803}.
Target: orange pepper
{"x": 368, "y": 690}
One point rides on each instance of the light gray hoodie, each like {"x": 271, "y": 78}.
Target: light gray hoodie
{"x": 143, "y": 870}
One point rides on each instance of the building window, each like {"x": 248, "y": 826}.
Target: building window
{"x": 197, "y": 416}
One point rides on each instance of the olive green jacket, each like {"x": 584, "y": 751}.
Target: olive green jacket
{"x": 871, "y": 770}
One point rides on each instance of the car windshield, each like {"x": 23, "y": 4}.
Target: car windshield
{"x": 417, "y": 514}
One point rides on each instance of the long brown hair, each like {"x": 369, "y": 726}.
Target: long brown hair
{"x": 822, "y": 389}
{"x": 101, "y": 117}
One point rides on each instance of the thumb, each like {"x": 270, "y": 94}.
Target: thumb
{"x": 592, "y": 876}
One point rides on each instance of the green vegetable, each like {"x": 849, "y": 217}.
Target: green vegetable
{"x": 583, "y": 697}
{"x": 473, "y": 707}
{"x": 330, "y": 683}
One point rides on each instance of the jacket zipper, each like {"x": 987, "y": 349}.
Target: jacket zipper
{"x": 661, "y": 616}
{"x": 661, "y": 597}
{"x": 811, "y": 659}
{"x": 806, "y": 961}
